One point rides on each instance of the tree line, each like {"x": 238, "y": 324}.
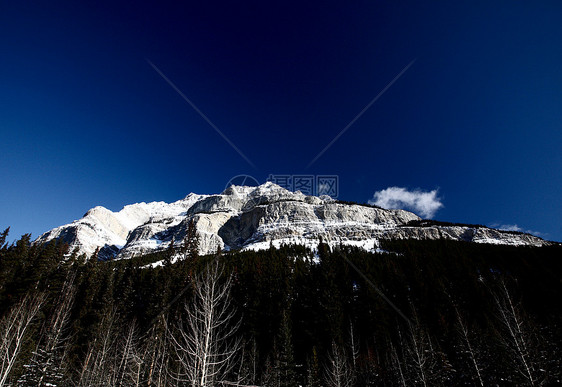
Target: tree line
{"x": 425, "y": 313}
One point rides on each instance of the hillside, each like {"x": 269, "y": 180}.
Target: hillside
{"x": 289, "y": 316}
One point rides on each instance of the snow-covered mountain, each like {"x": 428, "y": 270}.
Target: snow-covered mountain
{"x": 253, "y": 218}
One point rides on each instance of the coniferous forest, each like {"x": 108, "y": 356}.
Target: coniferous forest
{"x": 422, "y": 313}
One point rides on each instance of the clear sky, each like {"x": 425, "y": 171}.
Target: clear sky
{"x": 85, "y": 120}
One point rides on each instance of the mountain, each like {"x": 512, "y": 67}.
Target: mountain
{"x": 253, "y": 218}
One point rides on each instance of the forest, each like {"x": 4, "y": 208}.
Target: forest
{"x": 418, "y": 313}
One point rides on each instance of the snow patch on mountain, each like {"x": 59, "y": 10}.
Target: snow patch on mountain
{"x": 253, "y": 218}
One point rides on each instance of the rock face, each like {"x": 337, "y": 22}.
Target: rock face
{"x": 252, "y": 218}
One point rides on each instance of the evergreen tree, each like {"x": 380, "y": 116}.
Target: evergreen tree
{"x": 42, "y": 371}
{"x": 3, "y": 237}
{"x": 169, "y": 253}
{"x": 286, "y": 358}
{"x": 291, "y": 308}
{"x": 191, "y": 243}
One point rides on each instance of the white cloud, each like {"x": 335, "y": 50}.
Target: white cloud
{"x": 421, "y": 202}
{"x": 509, "y": 227}
{"x": 514, "y": 227}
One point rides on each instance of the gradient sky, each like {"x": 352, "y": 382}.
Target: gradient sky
{"x": 85, "y": 120}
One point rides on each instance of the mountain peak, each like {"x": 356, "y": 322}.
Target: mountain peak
{"x": 262, "y": 189}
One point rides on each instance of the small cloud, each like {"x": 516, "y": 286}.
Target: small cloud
{"x": 424, "y": 203}
{"x": 514, "y": 227}
{"x": 509, "y": 227}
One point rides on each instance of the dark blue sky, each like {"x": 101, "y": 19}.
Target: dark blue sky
{"x": 85, "y": 120}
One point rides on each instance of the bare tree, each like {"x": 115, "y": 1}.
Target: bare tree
{"x": 156, "y": 355}
{"x": 337, "y": 371}
{"x": 419, "y": 354}
{"x": 424, "y": 363}
{"x": 46, "y": 366}
{"x": 98, "y": 368}
{"x": 205, "y": 342}
{"x": 114, "y": 357}
{"x": 13, "y": 329}
{"x": 128, "y": 360}
{"x": 516, "y": 336}
{"x": 313, "y": 370}
{"x": 249, "y": 367}
{"x": 353, "y": 345}
{"x": 469, "y": 349}
{"x": 397, "y": 366}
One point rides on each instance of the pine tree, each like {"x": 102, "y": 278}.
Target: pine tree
{"x": 286, "y": 359}
{"x": 3, "y": 237}
{"x": 280, "y": 365}
{"x": 42, "y": 371}
{"x": 170, "y": 253}
{"x": 191, "y": 243}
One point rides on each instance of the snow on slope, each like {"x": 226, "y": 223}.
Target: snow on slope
{"x": 252, "y": 218}
{"x": 108, "y": 231}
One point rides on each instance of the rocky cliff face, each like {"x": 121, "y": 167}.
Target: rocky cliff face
{"x": 252, "y": 218}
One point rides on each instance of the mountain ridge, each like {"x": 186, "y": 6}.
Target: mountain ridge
{"x": 244, "y": 217}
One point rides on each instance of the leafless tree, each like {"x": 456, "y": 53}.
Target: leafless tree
{"x": 97, "y": 369}
{"x": 128, "y": 362}
{"x": 46, "y": 366}
{"x": 249, "y": 367}
{"x": 313, "y": 370}
{"x": 468, "y": 348}
{"x": 204, "y": 340}
{"x": 337, "y": 371}
{"x": 425, "y": 364}
{"x": 157, "y": 355}
{"x": 397, "y": 365}
{"x": 419, "y": 354}
{"x": 114, "y": 357}
{"x": 516, "y": 336}
{"x": 13, "y": 329}
{"x": 353, "y": 345}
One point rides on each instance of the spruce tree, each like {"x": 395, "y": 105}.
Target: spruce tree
{"x": 191, "y": 242}
{"x": 169, "y": 253}
{"x": 286, "y": 359}
{"x": 3, "y": 237}
{"x": 43, "y": 370}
